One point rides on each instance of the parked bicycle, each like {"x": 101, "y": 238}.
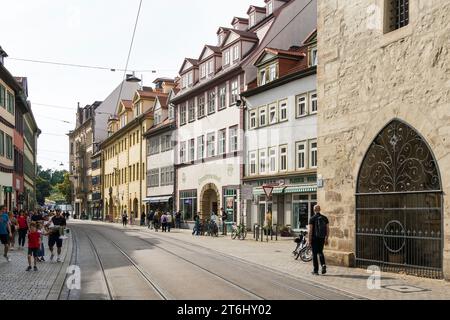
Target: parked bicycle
{"x": 303, "y": 249}
{"x": 213, "y": 229}
{"x": 238, "y": 231}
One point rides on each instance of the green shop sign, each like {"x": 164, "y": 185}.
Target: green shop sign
{"x": 8, "y": 189}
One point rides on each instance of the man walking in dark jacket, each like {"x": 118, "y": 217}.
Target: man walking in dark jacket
{"x": 318, "y": 237}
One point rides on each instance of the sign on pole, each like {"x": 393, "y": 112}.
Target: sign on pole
{"x": 267, "y": 190}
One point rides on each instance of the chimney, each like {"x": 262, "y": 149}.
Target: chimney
{"x": 3, "y": 55}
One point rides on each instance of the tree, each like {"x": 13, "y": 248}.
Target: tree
{"x": 57, "y": 177}
{"x": 43, "y": 189}
{"x": 65, "y": 188}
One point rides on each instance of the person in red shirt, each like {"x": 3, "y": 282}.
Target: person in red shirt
{"x": 23, "y": 228}
{"x": 34, "y": 244}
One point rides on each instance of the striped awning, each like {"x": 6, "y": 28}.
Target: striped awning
{"x": 301, "y": 188}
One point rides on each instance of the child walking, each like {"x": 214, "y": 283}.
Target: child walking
{"x": 34, "y": 244}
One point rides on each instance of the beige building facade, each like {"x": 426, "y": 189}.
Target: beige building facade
{"x": 384, "y": 134}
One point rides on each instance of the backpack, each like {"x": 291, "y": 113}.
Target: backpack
{"x": 320, "y": 227}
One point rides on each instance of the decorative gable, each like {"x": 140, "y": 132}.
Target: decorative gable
{"x": 207, "y": 52}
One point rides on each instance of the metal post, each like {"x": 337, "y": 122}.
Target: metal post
{"x": 261, "y": 233}
{"x": 276, "y": 232}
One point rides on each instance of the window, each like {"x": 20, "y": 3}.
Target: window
{"x": 10, "y": 103}
{"x": 168, "y": 143}
{"x": 313, "y": 154}
{"x": 273, "y": 160}
{"x": 2, "y": 143}
{"x": 262, "y": 77}
{"x": 183, "y": 152}
{"x": 313, "y": 102}
{"x": 158, "y": 117}
{"x": 397, "y": 12}
{"x": 234, "y": 91}
{"x": 269, "y": 8}
{"x": 200, "y": 147}
{"x": 252, "y": 20}
{"x": 283, "y": 158}
{"x": 183, "y": 114}
{"x": 9, "y": 147}
{"x": 190, "y": 79}
{"x": 236, "y": 52}
{"x": 226, "y": 57}
{"x": 314, "y": 58}
{"x": 171, "y": 112}
{"x": 221, "y": 148}
{"x": 283, "y": 110}
{"x": 301, "y": 106}
{"x": 188, "y": 204}
{"x": 252, "y": 161}
{"x": 273, "y": 116}
{"x": 210, "y": 67}
{"x": 191, "y": 110}
{"x": 153, "y": 178}
{"x": 210, "y": 141}
{"x": 233, "y": 139}
{"x": 2, "y": 96}
{"x": 203, "y": 70}
{"x": 201, "y": 106}
{"x": 222, "y": 97}
{"x": 262, "y": 116}
{"x": 154, "y": 145}
{"x": 167, "y": 176}
{"x": 262, "y": 161}
{"x": 211, "y": 101}
{"x": 123, "y": 120}
{"x": 191, "y": 150}
{"x": 253, "y": 123}
{"x": 272, "y": 72}
{"x": 301, "y": 155}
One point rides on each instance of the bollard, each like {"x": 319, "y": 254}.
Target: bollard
{"x": 261, "y": 233}
{"x": 276, "y": 232}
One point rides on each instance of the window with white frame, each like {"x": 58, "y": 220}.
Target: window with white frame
{"x": 171, "y": 112}
{"x": 212, "y": 101}
{"x": 190, "y": 79}
{"x": 153, "y": 177}
{"x": 313, "y": 101}
{"x": 233, "y": 132}
{"x": 262, "y": 161}
{"x": 221, "y": 140}
{"x": 158, "y": 117}
{"x": 191, "y": 110}
{"x": 183, "y": 152}
{"x": 273, "y": 114}
{"x": 201, "y": 106}
{"x": 272, "y": 72}
{"x": 236, "y": 52}
{"x": 222, "y": 97}
{"x": 210, "y": 142}
{"x": 272, "y": 160}
{"x": 283, "y": 110}
{"x": 313, "y": 154}
{"x": 269, "y": 8}
{"x": 262, "y": 116}
{"x": 163, "y": 143}
{"x": 301, "y": 155}
{"x": 154, "y": 145}
{"x": 169, "y": 145}
{"x": 234, "y": 91}
{"x": 252, "y": 163}
{"x": 314, "y": 57}
{"x": 200, "y": 147}
{"x": 226, "y": 59}
{"x": 283, "y": 158}
{"x": 211, "y": 67}
{"x": 203, "y": 70}
{"x": 302, "y": 108}
{"x": 253, "y": 119}
{"x": 123, "y": 120}
{"x": 191, "y": 150}
{"x": 183, "y": 114}
{"x": 262, "y": 77}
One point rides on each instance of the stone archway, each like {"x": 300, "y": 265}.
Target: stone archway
{"x": 209, "y": 200}
{"x": 135, "y": 208}
{"x": 399, "y": 204}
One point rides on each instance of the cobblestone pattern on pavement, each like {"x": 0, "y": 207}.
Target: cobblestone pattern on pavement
{"x": 277, "y": 256}
{"x": 18, "y": 284}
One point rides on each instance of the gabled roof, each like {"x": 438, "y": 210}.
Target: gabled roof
{"x": 239, "y": 19}
{"x": 194, "y": 62}
{"x": 223, "y": 29}
{"x": 256, "y": 8}
{"x": 293, "y": 53}
{"x": 163, "y": 101}
{"x": 311, "y": 37}
{"x": 242, "y": 34}
{"x": 128, "y": 104}
{"x": 169, "y": 80}
{"x": 214, "y": 49}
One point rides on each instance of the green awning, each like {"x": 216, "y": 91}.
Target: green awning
{"x": 301, "y": 189}
{"x": 258, "y": 191}
{"x": 278, "y": 190}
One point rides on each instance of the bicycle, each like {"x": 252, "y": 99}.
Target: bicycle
{"x": 303, "y": 249}
{"x": 238, "y": 231}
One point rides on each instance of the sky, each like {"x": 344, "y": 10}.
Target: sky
{"x": 98, "y": 33}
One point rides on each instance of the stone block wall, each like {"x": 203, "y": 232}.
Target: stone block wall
{"x": 366, "y": 78}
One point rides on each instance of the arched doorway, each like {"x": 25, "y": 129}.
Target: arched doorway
{"x": 135, "y": 208}
{"x": 399, "y": 205}
{"x": 210, "y": 200}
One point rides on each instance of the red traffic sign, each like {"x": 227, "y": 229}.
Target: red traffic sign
{"x": 268, "y": 190}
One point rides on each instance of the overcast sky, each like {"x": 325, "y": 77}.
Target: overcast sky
{"x": 98, "y": 33}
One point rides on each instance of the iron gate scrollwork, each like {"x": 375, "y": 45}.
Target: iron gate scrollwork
{"x": 399, "y": 205}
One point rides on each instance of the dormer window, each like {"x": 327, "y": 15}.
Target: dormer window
{"x": 171, "y": 112}
{"x": 226, "y": 59}
{"x": 203, "y": 70}
{"x": 272, "y": 72}
{"x": 269, "y": 8}
{"x": 236, "y": 52}
{"x": 262, "y": 77}
{"x": 267, "y": 74}
{"x": 219, "y": 39}
{"x": 210, "y": 67}
{"x": 313, "y": 57}
{"x": 137, "y": 110}
{"x": 123, "y": 120}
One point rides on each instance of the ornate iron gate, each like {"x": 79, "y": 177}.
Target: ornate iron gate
{"x": 399, "y": 205}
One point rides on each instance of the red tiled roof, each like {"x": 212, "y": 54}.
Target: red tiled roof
{"x": 128, "y": 104}
{"x": 163, "y": 100}
{"x": 151, "y": 94}
{"x": 290, "y": 52}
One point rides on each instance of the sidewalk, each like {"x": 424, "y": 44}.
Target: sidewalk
{"x": 276, "y": 255}
{"x": 18, "y": 284}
